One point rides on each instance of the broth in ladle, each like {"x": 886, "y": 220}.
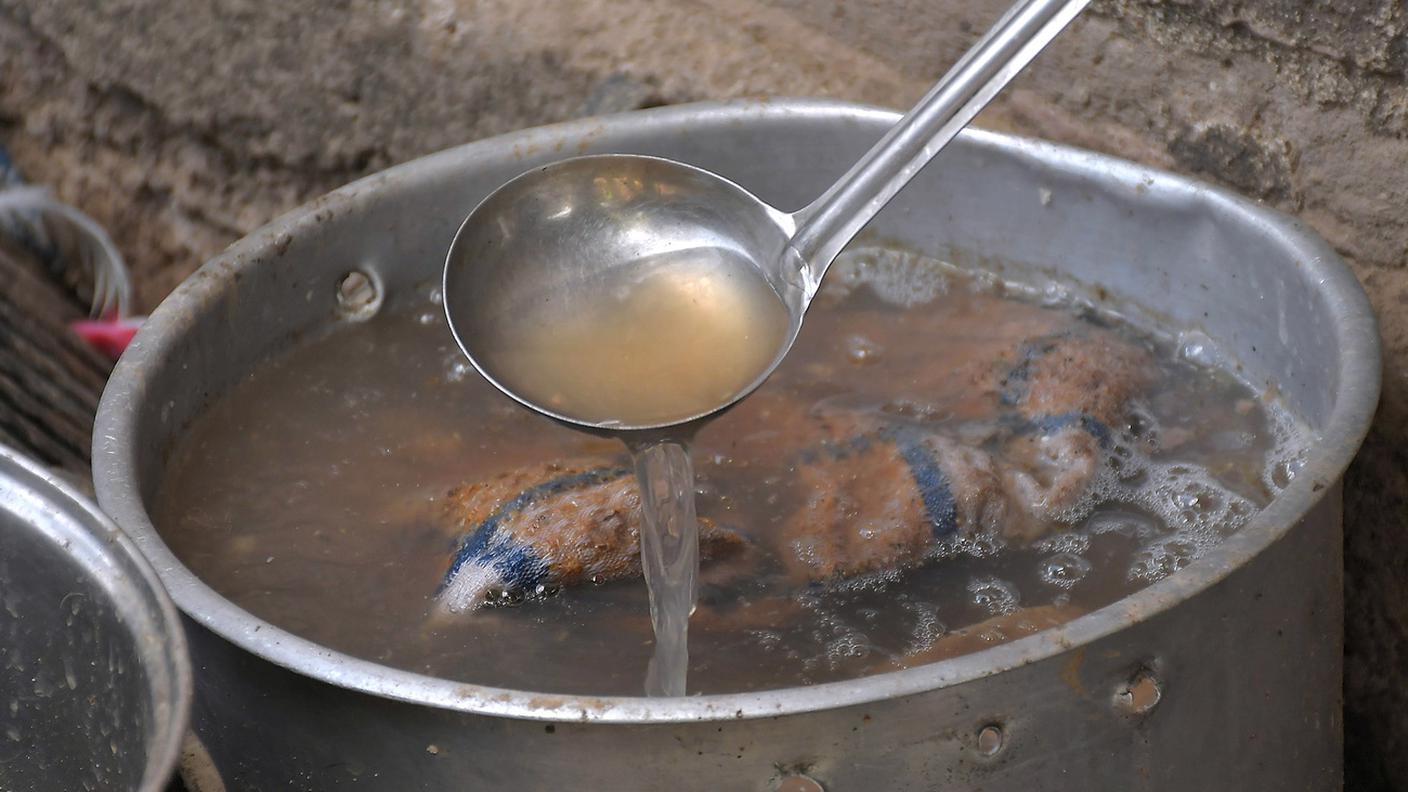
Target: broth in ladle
{"x": 654, "y": 343}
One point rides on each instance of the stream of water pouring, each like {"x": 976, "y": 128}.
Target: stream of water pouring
{"x": 697, "y": 327}
{"x": 669, "y": 554}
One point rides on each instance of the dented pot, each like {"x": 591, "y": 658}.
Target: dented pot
{"x": 95, "y": 684}
{"x": 1225, "y": 675}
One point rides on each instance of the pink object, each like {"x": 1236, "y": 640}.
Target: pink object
{"x": 108, "y": 336}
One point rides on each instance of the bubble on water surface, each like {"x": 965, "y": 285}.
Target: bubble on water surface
{"x": 861, "y": 350}
{"x": 1076, "y": 542}
{"x": 1164, "y": 556}
{"x": 1064, "y": 570}
{"x": 1288, "y": 455}
{"x": 996, "y": 596}
{"x": 457, "y": 368}
{"x": 1198, "y": 348}
{"x": 1055, "y": 294}
{"x": 927, "y": 627}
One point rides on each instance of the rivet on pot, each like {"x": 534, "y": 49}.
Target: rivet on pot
{"x": 1140, "y": 694}
{"x": 358, "y": 295}
{"x": 990, "y": 740}
{"x": 799, "y": 783}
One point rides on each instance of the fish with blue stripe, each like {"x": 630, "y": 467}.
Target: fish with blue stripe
{"x": 874, "y": 492}
{"x": 542, "y": 527}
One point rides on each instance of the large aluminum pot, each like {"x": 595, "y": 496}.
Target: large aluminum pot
{"x": 95, "y": 685}
{"x": 1225, "y": 675}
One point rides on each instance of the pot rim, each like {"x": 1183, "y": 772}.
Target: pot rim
{"x": 118, "y": 485}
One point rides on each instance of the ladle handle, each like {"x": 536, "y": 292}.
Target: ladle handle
{"x": 829, "y": 223}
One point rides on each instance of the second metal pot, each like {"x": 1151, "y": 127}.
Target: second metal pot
{"x": 95, "y": 685}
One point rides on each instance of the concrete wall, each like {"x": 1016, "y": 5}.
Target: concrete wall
{"x": 183, "y": 124}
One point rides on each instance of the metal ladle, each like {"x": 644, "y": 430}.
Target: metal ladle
{"x": 539, "y": 238}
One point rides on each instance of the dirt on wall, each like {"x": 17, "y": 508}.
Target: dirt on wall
{"x": 182, "y": 125}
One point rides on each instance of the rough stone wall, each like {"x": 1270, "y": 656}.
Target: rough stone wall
{"x": 183, "y": 124}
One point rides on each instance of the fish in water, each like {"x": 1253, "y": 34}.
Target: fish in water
{"x": 546, "y": 526}
{"x": 876, "y": 493}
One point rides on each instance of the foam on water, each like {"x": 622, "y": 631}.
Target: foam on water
{"x": 996, "y": 596}
{"x": 1070, "y": 542}
{"x": 1194, "y": 509}
{"x": 897, "y": 277}
{"x": 1288, "y": 452}
{"x": 927, "y": 630}
{"x": 1166, "y": 511}
{"x": 1174, "y": 511}
{"x": 1177, "y": 510}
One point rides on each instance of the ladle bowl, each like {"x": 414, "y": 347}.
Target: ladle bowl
{"x": 559, "y": 230}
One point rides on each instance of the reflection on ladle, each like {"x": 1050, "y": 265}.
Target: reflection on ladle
{"x": 627, "y": 293}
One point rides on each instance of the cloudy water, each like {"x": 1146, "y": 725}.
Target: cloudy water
{"x": 937, "y": 467}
